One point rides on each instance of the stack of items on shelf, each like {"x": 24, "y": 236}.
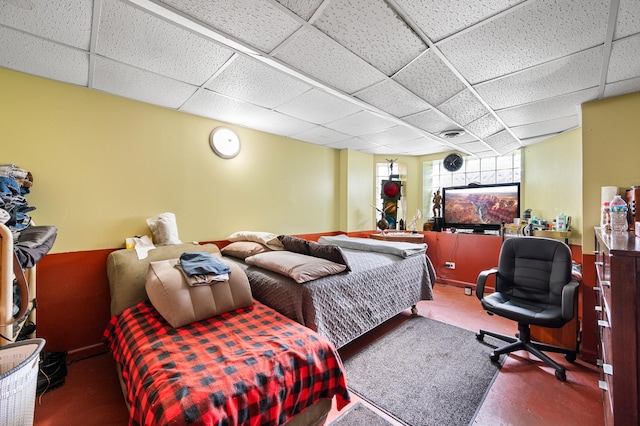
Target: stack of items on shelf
{"x": 30, "y": 244}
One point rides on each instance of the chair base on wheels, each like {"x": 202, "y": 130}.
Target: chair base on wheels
{"x": 523, "y": 341}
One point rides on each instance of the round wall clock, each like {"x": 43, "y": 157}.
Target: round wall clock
{"x": 453, "y": 162}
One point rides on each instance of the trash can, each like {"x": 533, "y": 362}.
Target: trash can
{"x": 19, "y": 366}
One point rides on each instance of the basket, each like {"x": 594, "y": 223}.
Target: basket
{"x": 19, "y": 366}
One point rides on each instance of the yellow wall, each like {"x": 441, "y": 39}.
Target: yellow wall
{"x": 611, "y": 149}
{"x": 552, "y": 180}
{"x": 357, "y": 191}
{"x": 103, "y": 164}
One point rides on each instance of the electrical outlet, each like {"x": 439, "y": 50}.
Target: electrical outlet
{"x": 450, "y": 265}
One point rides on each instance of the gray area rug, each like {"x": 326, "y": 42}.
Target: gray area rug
{"x": 425, "y": 372}
{"x": 360, "y": 415}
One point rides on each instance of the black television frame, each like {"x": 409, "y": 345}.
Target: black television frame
{"x": 478, "y": 227}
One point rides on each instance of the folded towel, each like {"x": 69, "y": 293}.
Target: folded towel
{"x": 202, "y": 263}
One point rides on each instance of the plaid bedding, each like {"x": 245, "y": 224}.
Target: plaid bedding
{"x": 250, "y": 366}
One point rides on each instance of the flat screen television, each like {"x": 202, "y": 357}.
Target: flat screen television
{"x": 480, "y": 207}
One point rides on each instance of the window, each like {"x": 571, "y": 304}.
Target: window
{"x": 504, "y": 169}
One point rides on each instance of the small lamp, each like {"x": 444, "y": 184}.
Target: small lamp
{"x": 224, "y": 142}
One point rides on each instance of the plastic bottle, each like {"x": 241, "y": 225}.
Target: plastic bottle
{"x": 561, "y": 222}
{"x": 605, "y": 217}
{"x": 618, "y": 209}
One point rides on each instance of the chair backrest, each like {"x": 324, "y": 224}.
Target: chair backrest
{"x": 534, "y": 268}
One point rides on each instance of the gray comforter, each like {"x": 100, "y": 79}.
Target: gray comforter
{"x": 342, "y": 307}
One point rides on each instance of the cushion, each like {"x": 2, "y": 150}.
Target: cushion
{"x": 181, "y": 304}
{"x": 294, "y": 244}
{"x": 243, "y": 249}
{"x": 330, "y": 252}
{"x": 127, "y": 274}
{"x": 268, "y": 239}
{"x": 164, "y": 229}
{"x": 299, "y": 267}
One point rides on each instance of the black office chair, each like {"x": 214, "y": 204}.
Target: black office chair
{"x": 533, "y": 286}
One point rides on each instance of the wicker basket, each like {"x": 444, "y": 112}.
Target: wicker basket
{"x": 18, "y": 381}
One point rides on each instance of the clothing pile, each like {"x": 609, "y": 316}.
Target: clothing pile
{"x": 15, "y": 183}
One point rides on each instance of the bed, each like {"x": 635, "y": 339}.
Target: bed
{"x": 383, "y": 279}
{"x": 249, "y": 365}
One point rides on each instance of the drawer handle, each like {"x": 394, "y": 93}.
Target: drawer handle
{"x": 606, "y": 283}
{"x": 603, "y": 385}
{"x": 599, "y": 263}
{"x": 596, "y": 289}
{"x": 598, "y": 308}
{"x": 603, "y": 323}
{"x": 599, "y": 362}
{"x": 608, "y": 369}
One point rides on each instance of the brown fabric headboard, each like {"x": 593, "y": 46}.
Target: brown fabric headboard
{"x": 127, "y": 274}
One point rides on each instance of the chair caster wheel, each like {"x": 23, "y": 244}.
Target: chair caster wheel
{"x": 493, "y": 357}
{"x": 570, "y": 357}
{"x": 561, "y": 375}
{"x": 480, "y": 336}
{"x": 414, "y": 310}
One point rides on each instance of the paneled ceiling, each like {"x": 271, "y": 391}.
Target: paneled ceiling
{"x": 406, "y": 77}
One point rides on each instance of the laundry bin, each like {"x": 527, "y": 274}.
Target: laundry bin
{"x": 19, "y": 366}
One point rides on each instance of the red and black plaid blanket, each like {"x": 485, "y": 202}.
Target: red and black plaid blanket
{"x": 251, "y": 366}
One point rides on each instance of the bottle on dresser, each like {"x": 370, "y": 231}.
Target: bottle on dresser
{"x": 618, "y": 210}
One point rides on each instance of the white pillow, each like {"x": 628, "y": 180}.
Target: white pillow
{"x": 299, "y": 267}
{"x": 164, "y": 229}
{"x": 267, "y": 238}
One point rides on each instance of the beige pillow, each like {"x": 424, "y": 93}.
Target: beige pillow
{"x": 181, "y": 304}
{"x": 268, "y": 239}
{"x": 299, "y": 267}
{"x": 243, "y": 249}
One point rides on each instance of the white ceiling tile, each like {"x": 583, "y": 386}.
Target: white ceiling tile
{"x": 357, "y": 24}
{"x": 321, "y": 135}
{"x": 64, "y": 21}
{"x": 391, "y": 97}
{"x": 565, "y": 75}
{"x": 209, "y": 104}
{"x": 353, "y": 143}
{"x": 463, "y": 138}
{"x": 534, "y": 140}
{"x": 625, "y": 59}
{"x": 431, "y": 121}
{"x": 394, "y": 135}
{"x": 45, "y": 59}
{"x": 474, "y": 147}
{"x": 252, "y": 81}
{"x": 429, "y": 78}
{"x": 429, "y": 149}
{"x": 123, "y": 80}
{"x": 258, "y": 23}
{"x": 318, "y": 107}
{"x": 538, "y": 32}
{"x": 628, "y": 19}
{"x": 502, "y": 140}
{"x": 319, "y": 56}
{"x": 485, "y": 126}
{"x": 380, "y": 150}
{"x": 622, "y": 87}
{"x": 546, "y": 127}
{"x": 303, "y": 8}
{"x": 464, "y": 107}
{"x": 547, "y": 109}
{"x": 131, "y": 36}
{"x": 413, "y": 145}
{"x": 273, "y": 122}
{"x": 361, "y": 123}
{"x": 439, "y": 19}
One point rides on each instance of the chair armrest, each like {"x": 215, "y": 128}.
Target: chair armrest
{"x": 482, "y": 278}
{"x": 569, "y": 297}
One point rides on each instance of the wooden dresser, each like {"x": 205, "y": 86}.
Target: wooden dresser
{"x": 617, "y": 306}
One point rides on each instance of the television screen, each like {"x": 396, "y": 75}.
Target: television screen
{"x": 480, "y": 207}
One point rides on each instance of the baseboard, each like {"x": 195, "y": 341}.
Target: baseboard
{"x": 86, "y": 352}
